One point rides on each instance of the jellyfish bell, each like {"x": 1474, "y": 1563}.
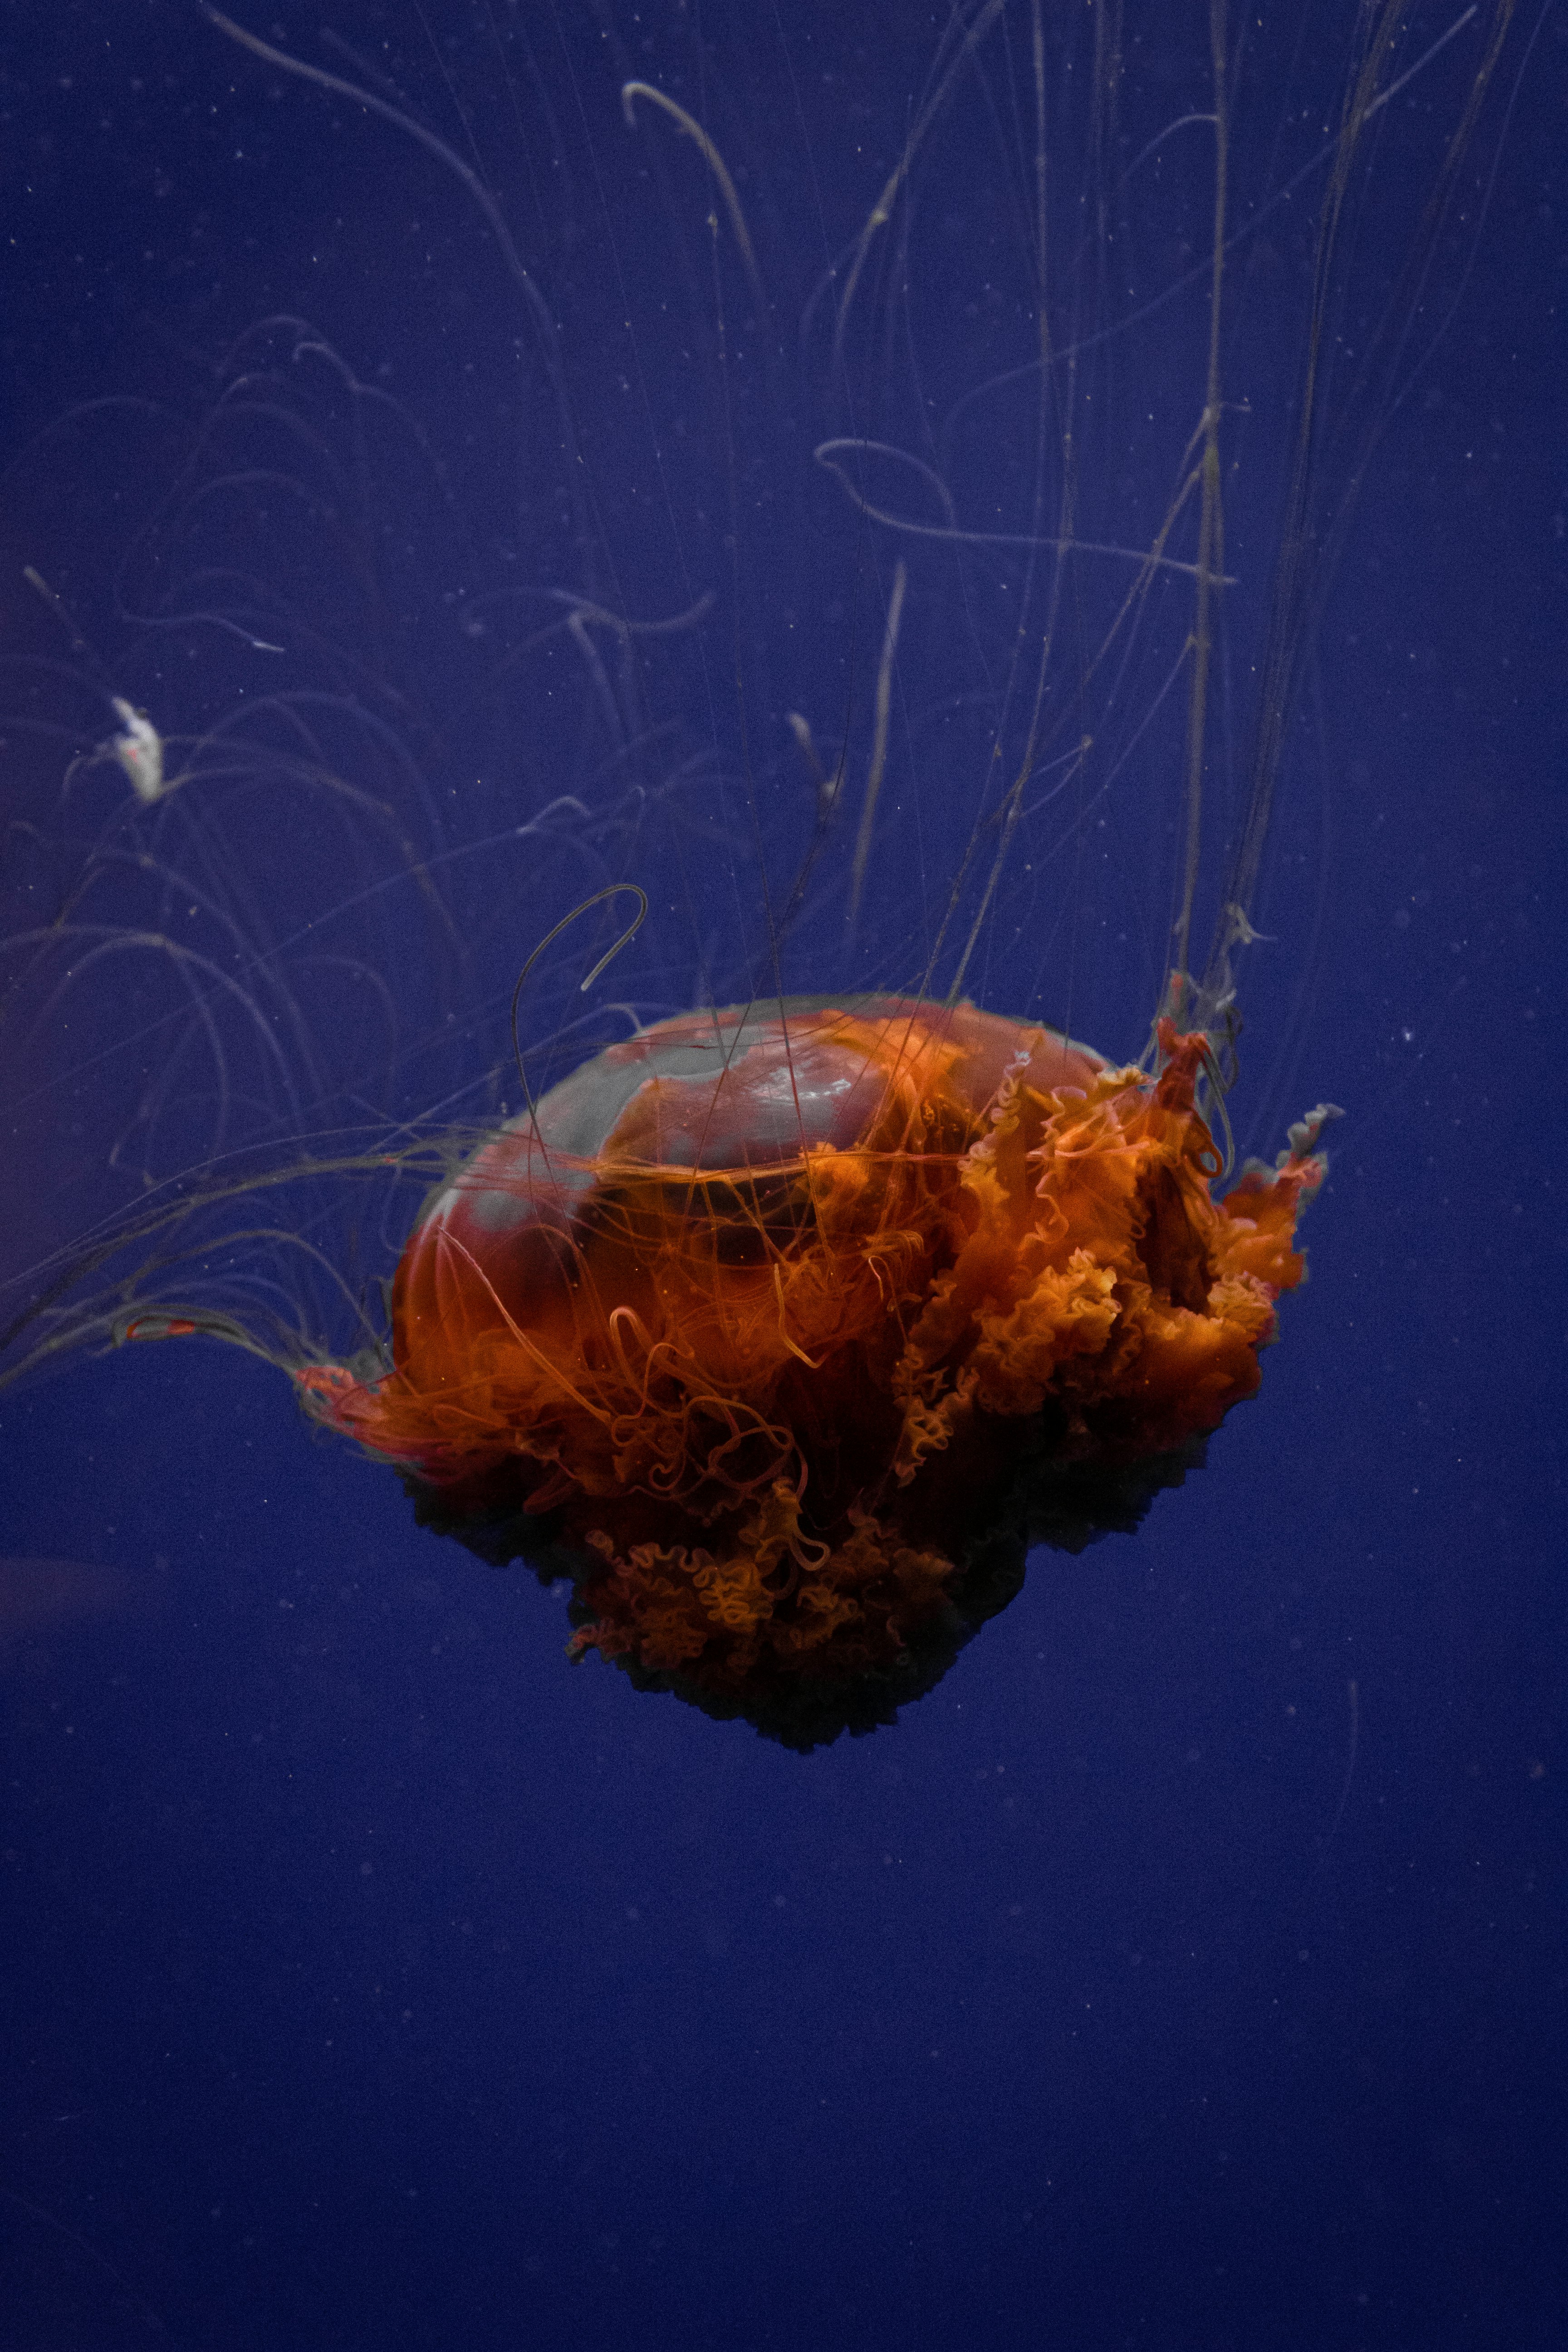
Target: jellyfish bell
{"x": 789, "y": 1328}
{"x": 899, "y": 568}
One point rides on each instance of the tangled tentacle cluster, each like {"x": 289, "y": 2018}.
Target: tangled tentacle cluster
{"x": 774, "y": 1349}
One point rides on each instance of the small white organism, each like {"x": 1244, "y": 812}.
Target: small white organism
{"x": 139, "y": 748}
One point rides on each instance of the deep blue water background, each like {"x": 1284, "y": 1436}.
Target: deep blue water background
{"x": 1185, "y": 1971}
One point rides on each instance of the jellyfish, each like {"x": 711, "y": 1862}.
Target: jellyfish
{"x": 886, "y": 556}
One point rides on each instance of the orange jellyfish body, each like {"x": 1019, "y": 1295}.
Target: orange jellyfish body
{"x": 784, "y": 1331}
